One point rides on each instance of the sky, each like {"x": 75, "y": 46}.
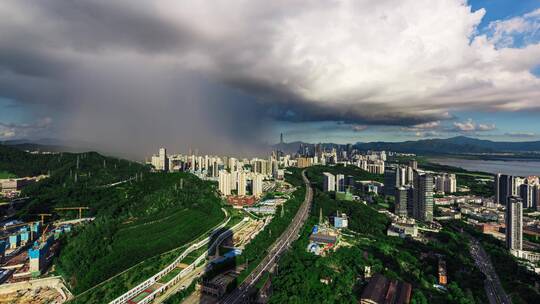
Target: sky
{"x": 231, "y": 75}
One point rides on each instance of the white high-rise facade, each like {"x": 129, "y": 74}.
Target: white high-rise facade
{"x": 242, "y": 183}
{"x": 446, "y": 183}
{"x": 257, "y": 184}
{"x": 329, "y": 182}
{"x": 224, "y": 182}
{"x": 514, "y": 223}
{"x": 160, "y": 161}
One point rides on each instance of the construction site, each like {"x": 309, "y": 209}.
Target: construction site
{"x": 27, "y": 250}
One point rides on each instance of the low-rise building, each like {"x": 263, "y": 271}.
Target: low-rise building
{"x": 341, "y": 220}
{"x": 402, "y": 230}
{"x": 382, "y": 290}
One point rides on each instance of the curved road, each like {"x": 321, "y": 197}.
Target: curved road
{"x": 239, "y": 295}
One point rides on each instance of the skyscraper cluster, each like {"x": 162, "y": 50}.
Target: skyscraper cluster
{"x": 337, "y": 183}
{"x": 241, "y": 182}
{"x": 516, "y": 193}
{"x": 528, "y": 189}
{"x": 321, "y": 154}
{"x": 413, "y": 190}
{"x": 446, "y": 183}
{"x": 234, "y": 176}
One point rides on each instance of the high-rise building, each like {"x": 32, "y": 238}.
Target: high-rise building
{"x": 391, "y": 181}
{"x": 375, "y": 167}
{"x": 402, "y": 172}
{"x": 233, "y": 164}
{"x": 257, "y": 185}
{"x": 349, "y": 182}
{"x": 526, "y": 192}
{"x": 242, "y": 183}
{"x": 423, "y": 197}
{"x": 536, "y": 197}
{"x": 402, "y": 195}
{"x": 410, "y": 176}
{"x": 514, "y": 223}
{"x": 304, "y": 162}
{"x": 504, "y": 188}
{"x": 446, "y": 183}
{"x": 224, "y": 182}
{"x": 340, "y": 183}
{"x": 329, "y": 182}
{"x": 164, "y": 162}
{"x": 413, "y": 164}
{"x": 450, "y": 184}
{"x": 410, "y": 201}
{"x": 161, "y": 161}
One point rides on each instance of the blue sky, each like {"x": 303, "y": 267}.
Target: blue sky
{"x": 349, "y": 70}
{"x": 503, "y": 9}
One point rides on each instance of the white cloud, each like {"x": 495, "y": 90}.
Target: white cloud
{"x": 504, "y": 32}
{"x": 428, "y": 125}
{"x": 471, "y": 126}
{"x": 6, "y": 133}
{"x": 359, "y": 128}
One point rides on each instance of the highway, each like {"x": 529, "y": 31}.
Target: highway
{"x": 240, "y": 294}
{"x": 492, "y": 284}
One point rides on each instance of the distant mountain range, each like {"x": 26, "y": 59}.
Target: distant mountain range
{"x": 48, "y": 145}
{"x": 454, "y": 145}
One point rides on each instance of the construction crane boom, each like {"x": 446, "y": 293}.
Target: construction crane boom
{"x": 43, "y": 215}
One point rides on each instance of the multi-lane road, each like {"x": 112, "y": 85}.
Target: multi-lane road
{"x": 492, "y": 284}
{"x": 240, "y": 294}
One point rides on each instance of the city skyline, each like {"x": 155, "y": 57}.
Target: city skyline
{"x": 424, "y": 69}
{"x": 286, "y": 151}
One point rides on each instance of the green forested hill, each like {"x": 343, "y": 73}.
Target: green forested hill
{"x": 21, "y": 163}
{"x": 146, "y": 218}
{"x": 148, "y": 214}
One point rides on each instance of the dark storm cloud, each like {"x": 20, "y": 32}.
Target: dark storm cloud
{"x": 213, "y": 73}
{"x": 110, "y": 70}
{"x": 372, "y": 114}
{"x": 102, "y": 25}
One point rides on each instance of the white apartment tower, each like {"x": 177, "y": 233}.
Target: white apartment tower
{"x": 257, "y": 184}
{"x": 224, "y": 182}
{"x": 160, "y": 161}
{"x": 242, "y": 183}
{"x": 514, "y": 223}
{"x": 329, "y": 182}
